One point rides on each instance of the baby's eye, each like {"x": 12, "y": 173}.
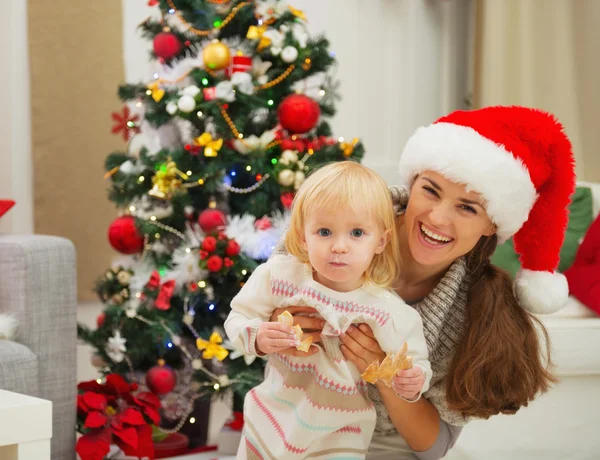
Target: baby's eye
{"x": 324, "y": 232}
{"x": 357, "y": 233}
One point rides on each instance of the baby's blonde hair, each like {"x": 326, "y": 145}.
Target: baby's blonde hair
{"x": 348, "y": 185}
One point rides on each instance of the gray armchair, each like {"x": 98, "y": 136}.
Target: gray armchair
{"x": 38, "y": 285}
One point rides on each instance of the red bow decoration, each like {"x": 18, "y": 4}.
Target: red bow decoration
{"x": 163, "y": 299}
{"x": 302, "y": 144}
{"x": 236, "y": 422}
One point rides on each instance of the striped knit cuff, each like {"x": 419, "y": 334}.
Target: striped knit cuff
{"x": 249, "y": 337}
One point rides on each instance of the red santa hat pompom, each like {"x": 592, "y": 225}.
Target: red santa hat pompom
{"x": 521, "y": 162}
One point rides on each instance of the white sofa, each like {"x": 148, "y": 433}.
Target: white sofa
{"x": 565, "y": 422}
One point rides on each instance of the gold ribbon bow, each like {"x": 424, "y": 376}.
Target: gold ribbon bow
{"x": 211, "y": 146}
{"x": 298, "y": 13}
{"x": 166, "y": 180}
{"x": 157, "y": 93}
{"x": 257, "y": 33}
{"x": 212, "y": 347}
{"x": 348, "y": 147}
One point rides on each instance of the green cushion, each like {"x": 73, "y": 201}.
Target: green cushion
{"x": 581, "y": 216}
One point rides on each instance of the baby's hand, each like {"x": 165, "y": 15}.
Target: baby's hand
{"x": 408, "y": 383}
{"x": 274, "y": 337}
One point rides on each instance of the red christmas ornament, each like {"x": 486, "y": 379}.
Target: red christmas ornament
{"x": 126, "y": 123}
{"x": 211, "y": 220}
{"x": 209, "y": 244}
{"x": 209, "y": 93}
{"x": 214, "y": 263}
{"x": 264, "y": 223}
{"x": 166, "y": 45}
{"x": 298, "y": 113}
{"x": 239, "y": 64}
{"x": 100, "y": 320}
{"x": 233, "y": 248}
{"x": 203, "y": 254}
{"x": 228, "y": 262}
{"x": 287, "y": 199}
{"x": 161, "y": 379}
{"x": 124, "y": 236}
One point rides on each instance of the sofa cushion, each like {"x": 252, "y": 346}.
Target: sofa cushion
{"x": 581, "y": 216}
{"x": 575, "y": 343}
{"x": 18, "y": 368}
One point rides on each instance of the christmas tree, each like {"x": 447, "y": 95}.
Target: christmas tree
{"x": 218, "y": 141}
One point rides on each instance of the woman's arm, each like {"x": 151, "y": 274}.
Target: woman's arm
{"x": 417, "y": 422}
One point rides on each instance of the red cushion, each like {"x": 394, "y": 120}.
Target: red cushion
{"x": 5, "y": 206}
{"x": 584, "y": 274}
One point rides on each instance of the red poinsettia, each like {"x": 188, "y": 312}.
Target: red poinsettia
{"x": 112, "y": 413}
{"x": 125, "y": 122}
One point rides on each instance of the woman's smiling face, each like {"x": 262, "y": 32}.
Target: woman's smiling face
{"x": 443, "y": 220}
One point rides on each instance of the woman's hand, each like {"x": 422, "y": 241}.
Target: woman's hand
{"x": 310, "y": 326}
{"x": 360, "y": 347}
{"x": 408, "y": 382}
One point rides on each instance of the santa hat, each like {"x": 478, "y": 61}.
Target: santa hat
{"x": 521, "y": 162}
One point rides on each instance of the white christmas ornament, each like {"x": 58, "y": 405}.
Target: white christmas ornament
{"x": 253, "y": 143}
{"x": 171, "y": 108}
{"x": 286, "y": 177}
{"x": 116, "y": 349}
{"x": 254, "y": 242}
{"x": 289, "y": 54}
{"x": 288, "y": 157}
{"x": 191, "y": 90}
{"x": 186, "y": 104}
{"x": 128, "y": 167}
{"x": 225, "y": 91}
{"x": 277, "y": 39}
{"x": 298, "y": 179}
{"x": 259, "y": 69}
{"x": 271, "y": 9}
{"x": 243, "y": 82}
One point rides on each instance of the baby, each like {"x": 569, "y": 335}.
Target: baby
{"x": 343, "y": 257}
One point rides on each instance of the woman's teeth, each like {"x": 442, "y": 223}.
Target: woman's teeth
{"x": 432, "y": 237}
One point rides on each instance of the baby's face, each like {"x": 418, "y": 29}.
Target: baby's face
{"x": 341, "y": 243}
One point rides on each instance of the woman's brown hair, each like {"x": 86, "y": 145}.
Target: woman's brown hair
{"x": 498, "y": 366}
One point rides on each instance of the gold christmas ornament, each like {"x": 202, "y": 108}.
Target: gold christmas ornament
{"x": 348, "y": 147}
{"x": 166, "y": 181}
{"x": 257, "y": 33}
{"x": 211, "y": 146}
{"x": 286, "y": 177}
{"x": 156, "y": 92}
{"x": 216, "y": 55}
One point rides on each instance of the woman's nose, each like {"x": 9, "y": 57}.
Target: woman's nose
{"x": 440, "y": 215}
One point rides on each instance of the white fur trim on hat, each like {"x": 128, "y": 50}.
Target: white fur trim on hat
{"x": 541, "y": 292}
{"x": 464, "y": 156}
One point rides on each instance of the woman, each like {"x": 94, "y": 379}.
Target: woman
{"x": 475, "y": 178}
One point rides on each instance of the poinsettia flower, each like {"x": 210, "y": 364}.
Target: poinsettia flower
{"x": 112, "y": 413}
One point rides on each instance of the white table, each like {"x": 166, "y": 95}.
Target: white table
{"x": 25, "y": 427}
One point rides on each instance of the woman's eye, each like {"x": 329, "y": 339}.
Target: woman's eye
{"x": 468, "y": 209}
{"x": 324, "y": 232}
{"x": 430, "y": 190}
{"x": 357, "y": 233}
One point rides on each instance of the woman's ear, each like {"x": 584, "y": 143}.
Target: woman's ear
{"x": 492, "y": 230}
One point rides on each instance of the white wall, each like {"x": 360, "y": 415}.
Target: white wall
{"x": 15, "y": 120}
{"x": 401, "y": 65}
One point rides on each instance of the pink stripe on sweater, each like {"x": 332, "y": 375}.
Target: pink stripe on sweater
{"x": 275, "y": 424}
